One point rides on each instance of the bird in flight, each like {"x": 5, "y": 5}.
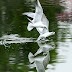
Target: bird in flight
{"x": 39, "y": 21}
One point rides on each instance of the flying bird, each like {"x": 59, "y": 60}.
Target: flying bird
{"x": 40, "y": 22}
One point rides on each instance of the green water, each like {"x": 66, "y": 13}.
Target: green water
{"x": 14, "y": 53}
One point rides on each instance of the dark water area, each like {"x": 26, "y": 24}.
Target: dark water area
{"x": 19, "y": 50}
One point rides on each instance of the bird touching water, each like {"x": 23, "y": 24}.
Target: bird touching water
{"x": 40, "y": 22}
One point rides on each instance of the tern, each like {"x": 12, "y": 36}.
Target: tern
{"x": 40, "y": 22}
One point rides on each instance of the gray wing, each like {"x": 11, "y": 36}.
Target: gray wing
{"x": 38, "y": 7}
{"x": 38, "y": 12}
{"x": 46, "y": 23}
{"x": 39, "y": 16}
{"x": 39, "y": 66}
{"x": 29, "y": 14}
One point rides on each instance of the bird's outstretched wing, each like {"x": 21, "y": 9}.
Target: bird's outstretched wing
{"x": 38, "y": 12}
{"x": 38, "y": 7}
{"x": 29, "y": 14}
{"x": 45, "y": 21}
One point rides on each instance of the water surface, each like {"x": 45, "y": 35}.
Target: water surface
{"x": 19, "y": 50}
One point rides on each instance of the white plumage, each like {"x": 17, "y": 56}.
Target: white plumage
{"x": 40, "y": 22}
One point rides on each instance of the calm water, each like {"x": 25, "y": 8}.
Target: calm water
{"x": 19, "y": 51}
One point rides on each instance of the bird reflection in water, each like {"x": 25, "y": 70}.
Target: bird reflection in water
{"x": 41, "y": 58}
